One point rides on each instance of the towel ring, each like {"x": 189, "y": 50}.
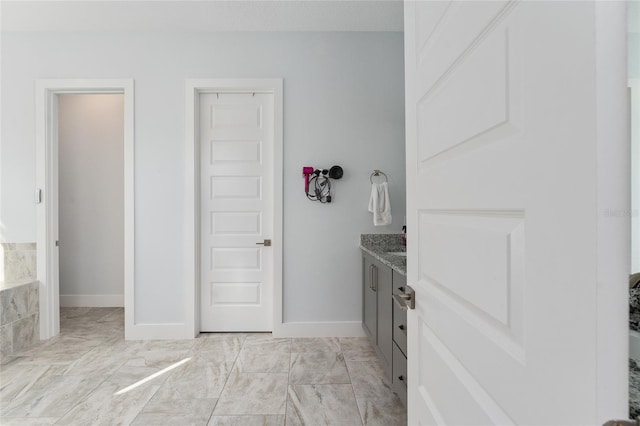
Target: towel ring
{"x": 378, "y": 173}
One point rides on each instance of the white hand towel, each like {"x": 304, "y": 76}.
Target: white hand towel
{"x": 379, "y": 204}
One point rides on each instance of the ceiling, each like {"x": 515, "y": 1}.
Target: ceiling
{"x": 202, "y": 15}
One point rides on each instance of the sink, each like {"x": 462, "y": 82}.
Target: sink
{"x": 398, "y": 253}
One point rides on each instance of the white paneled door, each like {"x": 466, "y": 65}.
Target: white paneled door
{"x": 236, "y": 218}
{"x": 514, "y": 121}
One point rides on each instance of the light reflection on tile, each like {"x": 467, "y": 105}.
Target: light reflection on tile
{"x": 103, "y": 406}
{"x": 203, "y": 376}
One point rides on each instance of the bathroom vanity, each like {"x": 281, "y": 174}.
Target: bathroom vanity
{"x": 384, "y": 281}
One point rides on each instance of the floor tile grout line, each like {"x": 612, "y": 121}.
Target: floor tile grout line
{"x": 235, "y": 361}
{"x": 149, "y": 400}
{"x": 27, "y": 387}
{"x": 355, "y": 398}
{"x": 286, "y": 399}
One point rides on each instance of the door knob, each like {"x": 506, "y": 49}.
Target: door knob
{"x": 266, "y": 243}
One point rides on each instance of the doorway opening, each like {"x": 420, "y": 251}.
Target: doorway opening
{"x": 91, "y": 205}
{"x": 71, "y": 201}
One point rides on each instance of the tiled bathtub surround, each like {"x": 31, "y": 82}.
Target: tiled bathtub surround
{"x": 19, "y": 262}
{"x": 19, "y": 321}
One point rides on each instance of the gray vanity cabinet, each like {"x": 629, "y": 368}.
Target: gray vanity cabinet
{"x": 377, "y": 308}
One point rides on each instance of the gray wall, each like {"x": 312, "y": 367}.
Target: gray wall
{"x": 344, "y": 104}
{"x": 91, "y": 199}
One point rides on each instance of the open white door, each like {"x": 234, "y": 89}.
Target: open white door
{"x": 517, "y": 189}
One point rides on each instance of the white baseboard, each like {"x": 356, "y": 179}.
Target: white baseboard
{"x": 319, "y": 329}
{"x": 92, "y": 300}
{"x": 289, "y": 329}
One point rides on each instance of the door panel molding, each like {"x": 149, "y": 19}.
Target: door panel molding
{"x": 515, "y": 151}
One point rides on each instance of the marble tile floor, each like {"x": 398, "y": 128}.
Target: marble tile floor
{"x": 89, "y": 375}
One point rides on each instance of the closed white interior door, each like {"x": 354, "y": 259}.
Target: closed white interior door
{"x": 237, "y": 209}
{"x": 520, "y": 300}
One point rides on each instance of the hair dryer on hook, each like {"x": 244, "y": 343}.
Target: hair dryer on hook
{"x": 307, "y": 171}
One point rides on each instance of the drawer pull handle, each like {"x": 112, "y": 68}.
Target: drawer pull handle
{"x": 375, "y": 281}
{"x": 406, "y": 300}
{"x": 402, "y": 302}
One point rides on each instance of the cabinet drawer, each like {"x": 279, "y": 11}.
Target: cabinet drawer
{"x": 399, "y": 283}
{"x": 400, "y": 327}
{"x": 399, "y": 382}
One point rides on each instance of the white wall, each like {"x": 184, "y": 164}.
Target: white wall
{"x": 634, "y": 82}
{"x": 91, "y": 199}
{"x": 344, "y": 104}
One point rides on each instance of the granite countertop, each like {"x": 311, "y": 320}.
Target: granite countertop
{"x": 380, "y": 245}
